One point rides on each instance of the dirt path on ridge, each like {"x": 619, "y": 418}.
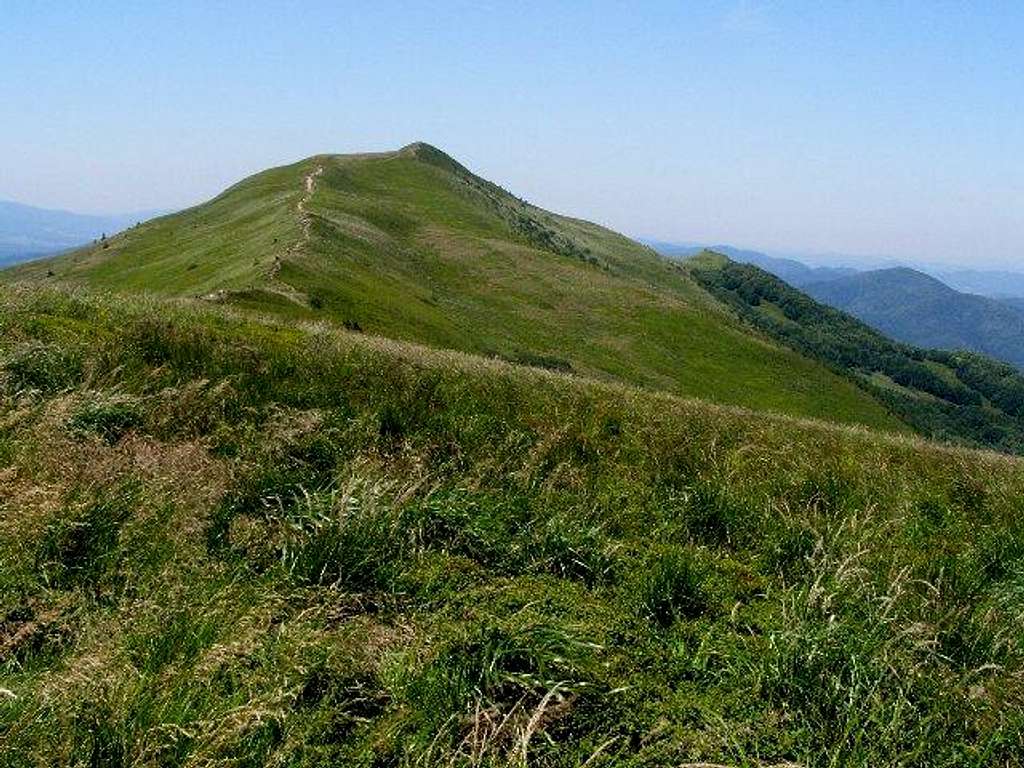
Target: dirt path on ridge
{"x": 305, "y": 220}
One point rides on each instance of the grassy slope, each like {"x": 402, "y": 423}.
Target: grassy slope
{"x": 236, "y": 543}
{"x": 412, "y": 246}
{"x": 194, "y": 252}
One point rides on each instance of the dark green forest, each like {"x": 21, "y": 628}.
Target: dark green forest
{"x": 950, "y": 395}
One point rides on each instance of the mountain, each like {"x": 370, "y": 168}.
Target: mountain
{"x": 994, "y": 283}
{"x": 1016, "y": 302}
{"x": 368, "y": 462}
{"x": 985, "y": 282}
{"x": 27, "y": 232}
{"x": 237, "y": 540}
{"x": 918, "y": 309}
{"x": 794, "y": 272}
{"x": 949, "y": 395}
{"x": 411, "y": 245}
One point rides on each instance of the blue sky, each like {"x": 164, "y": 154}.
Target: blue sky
{"x": 888, "y": 128}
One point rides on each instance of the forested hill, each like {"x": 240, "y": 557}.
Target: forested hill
{"x": 916, "y": 308}
{"x": 959, "y": 396}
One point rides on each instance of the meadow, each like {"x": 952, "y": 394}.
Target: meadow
{"x": 232, "y": 540}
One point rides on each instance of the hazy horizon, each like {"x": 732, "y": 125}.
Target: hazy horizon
{"x": 865, "y": 130}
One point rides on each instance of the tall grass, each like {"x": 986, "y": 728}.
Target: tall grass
{"x": 228, "y": 542}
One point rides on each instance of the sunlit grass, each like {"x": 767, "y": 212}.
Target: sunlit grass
{"x": 226, "y": 541}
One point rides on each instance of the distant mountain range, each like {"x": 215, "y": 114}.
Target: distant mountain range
{"x": 943, "y": 392}
{"x": 928, "y": 310}
{"x": 994, "y": 283}
{"x": 27, "y": 232}
{"x": 916, "y": 308}
{"x": 794, "y": 272}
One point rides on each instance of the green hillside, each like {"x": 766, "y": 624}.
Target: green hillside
{"x": 410, "y": 245}
{"x": 957, "y": 396}
{"x": 226, "y": 541}
{"x": 918, "y": 309}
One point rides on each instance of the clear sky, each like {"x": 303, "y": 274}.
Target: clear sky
{"x": 888, "y": 128}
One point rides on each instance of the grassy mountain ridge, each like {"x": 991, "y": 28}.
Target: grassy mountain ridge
{"x": 918, "y": 309}
{"x": 411, "y": 245}
{"x": 273, "y": 493}
{"x": 245, "y": 542}
{"x": 948, "y": 395}
{"x": 794, "y": 272}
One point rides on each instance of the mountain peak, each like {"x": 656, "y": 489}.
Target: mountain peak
{"x": 409, "y": 244}
{"x": 418, "y": 147}
{"x": 428, "y": 153}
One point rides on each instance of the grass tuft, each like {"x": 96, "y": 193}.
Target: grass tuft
{"x": 673, "y": 587}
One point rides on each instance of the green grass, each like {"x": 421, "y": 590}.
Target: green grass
{"x": 230, "y": 541}
{"x": 412, "y": 246}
